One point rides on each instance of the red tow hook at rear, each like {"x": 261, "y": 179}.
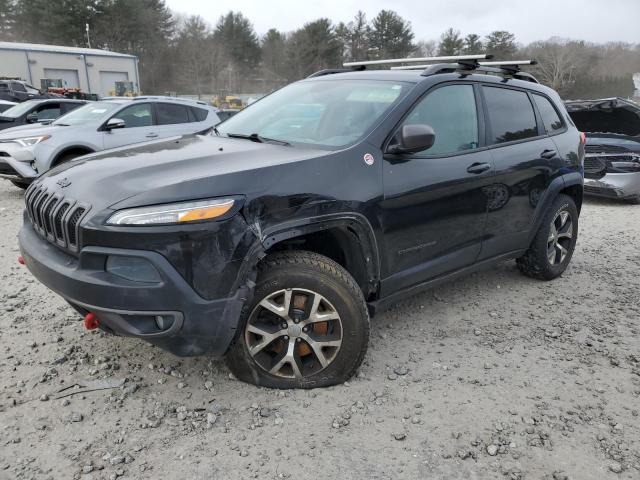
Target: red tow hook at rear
{"x": 91, "y": 321}
{"x": 21, "y": 260}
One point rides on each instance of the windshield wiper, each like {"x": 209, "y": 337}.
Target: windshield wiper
{"x": 254, "y": 137}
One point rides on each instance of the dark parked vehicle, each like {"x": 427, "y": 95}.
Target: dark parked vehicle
{"x": 612, "y": 160}
{"x": 37, "y": 111}
{"x": 274, "y": 241}
{"x": 19, "y": 91}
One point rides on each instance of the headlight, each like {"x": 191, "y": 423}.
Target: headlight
{"x": 172, "y": 213}
{"x": 31, "y": 141}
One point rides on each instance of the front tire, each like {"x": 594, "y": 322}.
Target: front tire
{"x": 306, "y": 327}
{"x": 552, "y": 247}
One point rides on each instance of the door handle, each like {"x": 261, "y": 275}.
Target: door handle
{"x": 548, "y": 153}
{"x": 152, "y": 135}
{"x": 478, "y": 167}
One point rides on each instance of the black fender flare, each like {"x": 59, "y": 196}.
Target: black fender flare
{"x": 556, "y": 186}
{"x": 354, "y": 223}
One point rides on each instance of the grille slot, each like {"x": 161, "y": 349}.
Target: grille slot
{"x": 55, "y": 217}
{"x": 72, "y": 228}
{"x": 57, "y": 222}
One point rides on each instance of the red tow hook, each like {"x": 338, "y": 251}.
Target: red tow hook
{"x": 21, "y": 260}
{"x": 91, "y": 321}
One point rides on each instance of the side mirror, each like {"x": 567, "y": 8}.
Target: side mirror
{"x": 114, "y": 123}
{"x": 413, "y": 139}
{"x": 32, "y": 117}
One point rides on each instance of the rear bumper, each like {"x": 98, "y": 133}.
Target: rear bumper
{"x": 614, "y": 185}
{"x": 125, "y": 307}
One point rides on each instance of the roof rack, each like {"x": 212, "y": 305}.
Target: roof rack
{"x": 465, "y": 64}
{"x": 449, "y": 58}
{"x": 505, "y": 67}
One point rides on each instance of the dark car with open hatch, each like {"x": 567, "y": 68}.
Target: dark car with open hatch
{"x": 273, "y": 240}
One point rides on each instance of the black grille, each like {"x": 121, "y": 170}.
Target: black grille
{"x": 55, "y": 217}
{"x": 593, "y": 164}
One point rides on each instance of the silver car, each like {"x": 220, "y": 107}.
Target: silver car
{"x": 612, "y": 160}
{"x": 29, "y": 151}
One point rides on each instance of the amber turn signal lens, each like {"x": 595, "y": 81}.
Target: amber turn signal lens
{"x": 206, "y": 213}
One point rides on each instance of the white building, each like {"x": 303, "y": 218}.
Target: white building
{"x": 92, "y": 70}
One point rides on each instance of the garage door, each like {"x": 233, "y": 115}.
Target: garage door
{"x": 108, "y": 81}
{"x": 69, "y": 77}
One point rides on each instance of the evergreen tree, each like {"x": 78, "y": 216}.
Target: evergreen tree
{"x": 390, "y": 36}
{"x": 472, "y": 44}
{"x": 450, "y": 43}
{"x": 501, "y": 44}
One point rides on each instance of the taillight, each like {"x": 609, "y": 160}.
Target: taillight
{"x": 583, "y": 138}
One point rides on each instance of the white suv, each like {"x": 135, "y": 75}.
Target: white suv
{"x": 28, "y": 151}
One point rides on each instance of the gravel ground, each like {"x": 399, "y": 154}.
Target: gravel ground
{"x": 492, "y": 376}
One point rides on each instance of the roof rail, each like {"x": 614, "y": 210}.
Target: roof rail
{"x": 448, "y": 58}
{"x": 330, "y": 71}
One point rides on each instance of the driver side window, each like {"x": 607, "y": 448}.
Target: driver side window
{"x": 451, "y": 112}
{"x": 136, "y": 116}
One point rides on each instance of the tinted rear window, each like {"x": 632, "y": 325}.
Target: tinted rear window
{"x": 200, "y": 114}
{"x": 510, "y": 114}
{"x": 550, "y": 118}
{"x": 4, "y": 86}
{"x": 170, "y": 114}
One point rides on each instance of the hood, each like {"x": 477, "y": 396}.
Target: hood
{"x": 30, "y": 129}
{"x": 186, "y": 168}
{"x": 606, "y": 115}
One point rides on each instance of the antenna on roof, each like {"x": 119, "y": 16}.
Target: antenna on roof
{"x": 450, "y": 58}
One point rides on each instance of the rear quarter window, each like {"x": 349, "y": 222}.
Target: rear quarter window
{"x": 511, "y": 115}
{"x": 200, "y": 114}
{"x": 550, "y": 118}
{"x": 171, "y": 114}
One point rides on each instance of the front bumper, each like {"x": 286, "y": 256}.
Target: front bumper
{"x": 16, "y": 163}
{"x": 614, "y": 185}
{"x": 129, "y": 308}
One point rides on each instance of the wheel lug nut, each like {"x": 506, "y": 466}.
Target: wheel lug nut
{"x": 286, "y": 337}
{"x": 284, "y": 325}
{"x": 298, "y": 340}
{"x": 295, "y": 320}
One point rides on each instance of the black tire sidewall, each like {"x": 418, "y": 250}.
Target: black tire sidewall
{"x": 561, "y": 203}
{"x": 352, "y": 311}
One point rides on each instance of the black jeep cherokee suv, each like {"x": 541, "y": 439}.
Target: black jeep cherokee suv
{"x": 274, "y": 240}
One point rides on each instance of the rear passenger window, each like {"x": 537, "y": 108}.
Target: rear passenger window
{"x": 169, "y": 114}
{"x": 510, "y": 115}
{"x": 550, "y": 118}
{"x": 200, "y": 114}
{"x": 451, "y": 112}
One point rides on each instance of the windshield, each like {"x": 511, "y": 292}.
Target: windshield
{"x": 328, "y": 113}
{"x": 20, "y": 109}
{"x": 89, "y": 113}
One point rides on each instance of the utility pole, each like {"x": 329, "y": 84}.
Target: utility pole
{"x": 88, "y": 38}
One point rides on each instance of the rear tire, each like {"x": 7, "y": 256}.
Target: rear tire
{"x": 633, "y": 200}
{"x": 279, "y": 343}
{"x": 554, "y": 243}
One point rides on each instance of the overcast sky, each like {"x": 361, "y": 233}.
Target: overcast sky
{"x": 593, "y": 20}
